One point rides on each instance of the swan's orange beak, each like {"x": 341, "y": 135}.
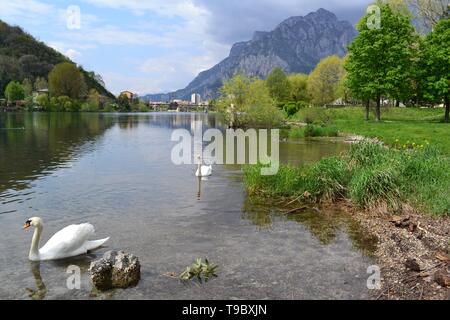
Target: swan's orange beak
{"x": 26, "y": 226}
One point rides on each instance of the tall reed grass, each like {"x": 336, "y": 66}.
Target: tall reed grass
{"x": 368, "y": 174}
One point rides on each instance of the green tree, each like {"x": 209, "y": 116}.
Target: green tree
{"x": 66, "y": 80}
{"x": 436, "y": 66}
{"x": 299, "y": 87}
{"x": 324, "y": 80}
{"x": 124, "y": 102}
{"x": 279, "y": 86}
{"x": 94, "y": 99}
{"x": 14, "y": 92}
{"x": 260, "y": 108}
{"x": 232, "y": 101}
{"x": 247, "y": 101}
{"x": 27, "y": 87}
{"x": 380, "y": 59}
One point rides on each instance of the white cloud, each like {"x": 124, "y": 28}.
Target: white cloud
{"x": 24, "y": 8}
{"x": 72, "y": 54}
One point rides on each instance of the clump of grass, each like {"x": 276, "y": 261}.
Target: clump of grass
{"x": 200, "y": 270}
{"x": 326, "y": 180}
{"x": 288, "y": 181}
{"x": 425, "y": 175}
{"x": 368, "y": 174}
{"x": 368, "y": 154}
{"x": 371, "y": 186}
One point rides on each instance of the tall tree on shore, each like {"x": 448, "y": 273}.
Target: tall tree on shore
{"x": 299, "y": 87}
{"x": 436, "y": 66}
{"x": 27, "y": 87}
{"x": 279, "y": 86}
{"x": 14, "y": 92}
{"x": 324, "y": 80}
{"x": 381, "y": 57}
{"x": 66, "y": 80}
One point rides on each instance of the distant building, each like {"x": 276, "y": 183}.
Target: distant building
{"x": 196, "y": 98}
{"x": 130, "y": 95}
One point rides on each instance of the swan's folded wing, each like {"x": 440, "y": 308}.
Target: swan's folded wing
{"x": 68, "y": 240}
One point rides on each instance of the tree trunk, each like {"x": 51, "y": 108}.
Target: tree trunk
{"x": 447, "y": 110}
{"x": 378, "y": 108}
{"x": 367, "y": 109}
{"x": 397, "y": 103}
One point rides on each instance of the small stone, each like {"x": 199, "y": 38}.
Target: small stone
{"x": 442, "y": 278}
{"x": 413, "y": 264}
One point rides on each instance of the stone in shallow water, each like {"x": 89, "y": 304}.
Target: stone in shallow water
{"x": 117, "y": 269}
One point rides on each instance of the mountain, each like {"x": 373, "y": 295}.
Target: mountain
{"x": 22, "y": 56}
{"x": 296, "y": 45}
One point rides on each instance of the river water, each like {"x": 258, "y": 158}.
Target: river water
{"x": 114, "y": 171}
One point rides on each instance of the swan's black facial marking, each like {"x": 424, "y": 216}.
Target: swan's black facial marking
{"x": 27, "y": 224}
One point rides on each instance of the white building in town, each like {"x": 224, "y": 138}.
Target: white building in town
{"x": 196, "y": 98}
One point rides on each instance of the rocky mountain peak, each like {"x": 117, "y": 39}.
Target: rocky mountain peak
{"x": 297, "y": 44}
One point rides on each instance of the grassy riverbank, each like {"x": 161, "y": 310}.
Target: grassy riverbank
{"x": 400, "y": 127}
{"x": 370, "y": 175}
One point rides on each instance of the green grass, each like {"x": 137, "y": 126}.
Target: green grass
{"x": 369, "y": 174}
{"x": 400, "y": 127}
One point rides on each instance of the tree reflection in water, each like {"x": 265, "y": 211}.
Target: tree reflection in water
{"x": 324, "y": 225}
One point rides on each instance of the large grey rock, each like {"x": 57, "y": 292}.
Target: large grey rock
{"x": 296, "y": 45}
{"x": 117, "y": 269}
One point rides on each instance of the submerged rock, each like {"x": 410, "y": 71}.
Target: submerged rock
{"x": 117, "y": 269}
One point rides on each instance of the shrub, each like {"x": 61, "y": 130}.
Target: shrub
{"x": 292, "y": 108}
{"x": 315, "y": 115}
{"x": 312, "y": 130}
{"x": 42, "y": 101}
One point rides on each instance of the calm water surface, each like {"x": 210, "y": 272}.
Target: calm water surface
{"x": 114, "y": 170}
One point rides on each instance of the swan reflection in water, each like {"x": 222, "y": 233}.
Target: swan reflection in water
{"x": 41, "y": 289}
{"x": 40, "y": 292}
{"x": 199, "y": 186}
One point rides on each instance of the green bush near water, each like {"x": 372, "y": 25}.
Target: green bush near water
{"x": 369, "y": 174}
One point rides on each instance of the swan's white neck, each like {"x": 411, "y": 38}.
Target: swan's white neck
{"x": 34, "y": 250}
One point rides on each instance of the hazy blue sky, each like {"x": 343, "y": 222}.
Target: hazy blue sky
{"x": 151, "y": 46}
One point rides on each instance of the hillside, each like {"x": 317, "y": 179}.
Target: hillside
{"x": 22, "y": 56}
{"x": 296, "y": 45}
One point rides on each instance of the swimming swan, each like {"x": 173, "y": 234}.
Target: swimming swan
{"x": 69, "y": 242}
{"x": 202, "y": 170}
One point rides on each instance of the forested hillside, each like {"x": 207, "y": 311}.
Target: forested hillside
{"x": 24, "y": 57}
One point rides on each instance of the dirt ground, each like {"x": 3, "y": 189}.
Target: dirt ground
{"x": 412, "y": 252}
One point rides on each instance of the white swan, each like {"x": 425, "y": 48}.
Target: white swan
{"x": 69, "y": 242}
{"x": 202, "y": 170}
